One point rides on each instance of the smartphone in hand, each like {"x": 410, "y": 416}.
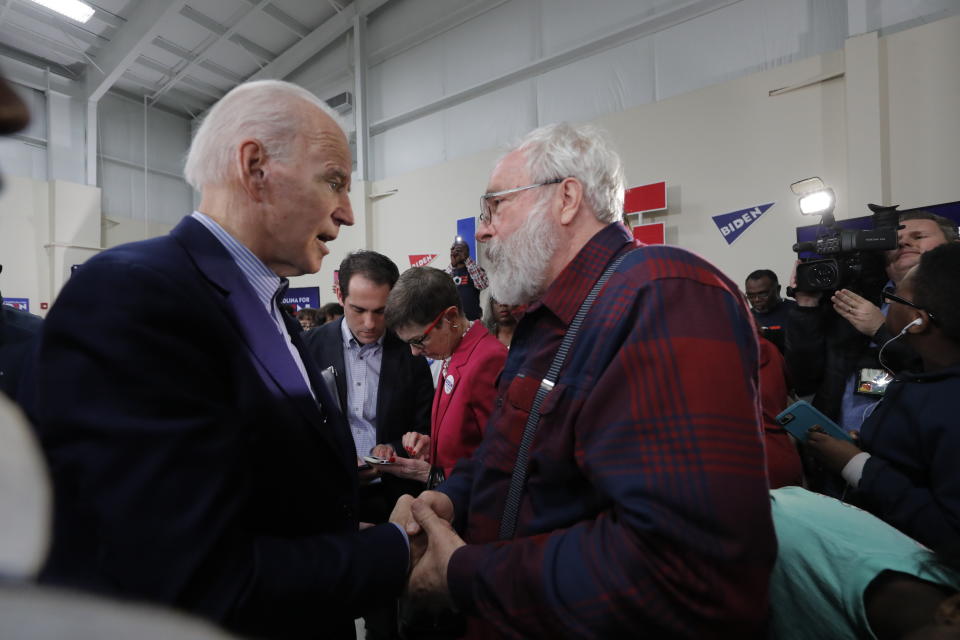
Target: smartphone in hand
{"x": 800, "y": 416}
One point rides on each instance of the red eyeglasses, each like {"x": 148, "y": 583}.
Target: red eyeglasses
{"x": 418, "y": 342}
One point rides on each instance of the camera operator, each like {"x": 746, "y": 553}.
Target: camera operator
{"x": 832, "y": 349}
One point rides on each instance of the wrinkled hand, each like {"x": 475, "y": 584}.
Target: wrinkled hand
{"x": 408, "y": 469}
{"x": 832, "y": 453}
{"x": 417, "y": 445}
{"x": 383, "y": 451}
{"x": 860, "y": 312}
{"x": 403, "y": 511}
{"x": 428, "y": 580}
{"x": 402, "y": 516}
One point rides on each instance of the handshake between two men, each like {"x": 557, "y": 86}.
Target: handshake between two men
{"x": 427, "y": 521}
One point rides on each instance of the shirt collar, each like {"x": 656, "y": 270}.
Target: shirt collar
{"x": 349, "y": 341}
{"x": 565, "y": 295}
{"x": 266, "y": 284}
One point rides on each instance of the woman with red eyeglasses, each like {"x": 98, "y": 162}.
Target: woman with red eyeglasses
{"x": 425, "y": 312}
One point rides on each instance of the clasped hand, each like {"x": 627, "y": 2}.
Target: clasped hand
{"x": 432, "y": 541}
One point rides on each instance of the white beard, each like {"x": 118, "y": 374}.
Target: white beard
{"x": 517, "y": 265}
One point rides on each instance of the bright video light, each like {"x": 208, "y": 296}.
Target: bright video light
{"x": 73, "y": 9}
{"x": 816, "y": 203}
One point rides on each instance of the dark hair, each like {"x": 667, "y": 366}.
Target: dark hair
{"x": 764, "y": 273}
{"x": 935, "y": 285}
{"x": 419, "y": 296}
{"x": 331, "y": 309}
{"x": 461, "y": 243}
{"x": 947, "y": 226}
{"x": 308, "y": 313}
{"x": 375, "y": 267}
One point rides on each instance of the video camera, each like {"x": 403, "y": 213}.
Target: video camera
{"x": 849, "y": 251}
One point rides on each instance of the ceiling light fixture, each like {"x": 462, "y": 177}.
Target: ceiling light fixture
{"x": 73, "y": 9}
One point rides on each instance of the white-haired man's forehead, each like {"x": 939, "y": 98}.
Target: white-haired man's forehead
{"x": 509, "y": 172}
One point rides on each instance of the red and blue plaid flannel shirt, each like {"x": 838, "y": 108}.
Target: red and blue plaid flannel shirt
{"x": 646, "y": 512}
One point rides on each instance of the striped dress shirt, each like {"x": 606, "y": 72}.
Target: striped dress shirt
{"x": 266, "y": 284}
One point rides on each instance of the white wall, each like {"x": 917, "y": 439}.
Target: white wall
{"x": 449, "y": 78}
{"x": 124, "y": 149}
{"x": 722, "y": 147}
{"x": 732, "y": 146}
{"x": 45, "y": 227}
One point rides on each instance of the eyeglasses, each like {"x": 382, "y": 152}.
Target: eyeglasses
{"x": 889, "y": 295}
{"x": 760, "y": 295}
{"x": 418, "y": 342}
{"x": 489, "y": 203}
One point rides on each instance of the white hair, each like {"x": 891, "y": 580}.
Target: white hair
{"x": 564, "y": 150}
{"x": 266, "y": 110}
{"x": 517, "y": 265}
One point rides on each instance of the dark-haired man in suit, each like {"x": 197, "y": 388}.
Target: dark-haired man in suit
{"x": 385, "y": 391}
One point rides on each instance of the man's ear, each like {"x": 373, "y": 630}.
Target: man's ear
{"x": 571, "y": 198}
{"x": 252, "y": 158}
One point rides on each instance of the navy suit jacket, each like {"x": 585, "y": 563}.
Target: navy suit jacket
{"x": 404, "y": 395}
{"x": 405, "y": 392}
{"x": 191, "y": 464}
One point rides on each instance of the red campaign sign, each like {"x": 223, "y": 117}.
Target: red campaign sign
{"x": 422, "y": 259}
{"x": 649, "y": 197}
{"x": 653, "y": 233}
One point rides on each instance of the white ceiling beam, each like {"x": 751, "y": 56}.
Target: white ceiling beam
{"x": 434, "y": 29}
{"x": 632, "y": 31}
{"x": 227, "y": 33}
{"x": 145, "y": 21}
{"x": 318, "y": 39}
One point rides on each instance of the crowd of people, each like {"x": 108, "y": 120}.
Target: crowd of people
{"x": 602, "y": 459}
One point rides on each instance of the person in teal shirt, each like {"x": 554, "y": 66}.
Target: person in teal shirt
{"x": 839, "y": 569}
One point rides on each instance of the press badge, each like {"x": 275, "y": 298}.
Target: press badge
{"x": 872, "y": 382}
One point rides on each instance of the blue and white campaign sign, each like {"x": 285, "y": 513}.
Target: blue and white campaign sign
{"x": 18, "y": 303}
{"x": 732, "y": 224}
{"x": 302, "y": 297}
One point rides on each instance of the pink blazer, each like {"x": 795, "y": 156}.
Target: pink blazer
{"x": 464, "y": 397}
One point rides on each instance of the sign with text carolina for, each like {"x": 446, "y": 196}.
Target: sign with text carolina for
{"x": 23, "y": 304}
{"x": 421, "y": 259}
{"x": 733, "y": 224}
{"x": 302, "y": 297}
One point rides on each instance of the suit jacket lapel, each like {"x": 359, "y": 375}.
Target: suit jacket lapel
{"x": 266, "y": 346}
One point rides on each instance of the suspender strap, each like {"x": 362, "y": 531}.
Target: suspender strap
{"x": 508, "y": 524}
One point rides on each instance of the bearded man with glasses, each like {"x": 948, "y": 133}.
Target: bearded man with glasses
{"x": 620, "y": 484}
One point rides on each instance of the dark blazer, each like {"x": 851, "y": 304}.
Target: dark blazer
{"x": 404, "y": 395}
{"x": 191, "y": 464}
{"x": 19, "y": 331}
